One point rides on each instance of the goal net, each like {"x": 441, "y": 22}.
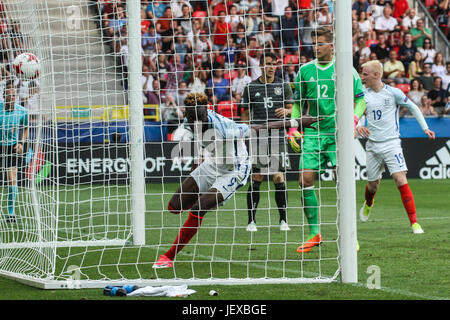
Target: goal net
{"x": 86, "y": 202}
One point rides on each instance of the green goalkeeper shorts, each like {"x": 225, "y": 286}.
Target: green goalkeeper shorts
{"x": 317, "y": 152}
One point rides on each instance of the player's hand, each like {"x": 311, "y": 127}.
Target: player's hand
{"x": 362, "y": 131}
{"x": 282, "y": 112}
{"x": 430, "y": 134}
{"x": 306, "y": 121}
{"x": 295, "y": 138}
{"x": 18, "y": 147}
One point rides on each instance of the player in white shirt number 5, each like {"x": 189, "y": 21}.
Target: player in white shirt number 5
{"x": 384, "y": 145}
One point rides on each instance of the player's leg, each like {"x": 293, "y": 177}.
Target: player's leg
{"x": 374, "y": 169}
{"x": 12, "y": 191}
{"x": 253, "y": 196}
{"x": 281, "y": 199}
{"x": 395, "y": 161}
{"x": 407, "y": 199}
{"x": 185, "y": 196}
{"x": 207, "y": 201}
{"x": 311, "y": 209}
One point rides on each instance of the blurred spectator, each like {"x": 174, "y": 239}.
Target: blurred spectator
{"x": 362, "y": 51}
{"x": 252, "y": 20}
{"x": 375, "y": 10}
{"x": 145, "y": 22}
{"x": 359, "y": 6}
{"x": 242, "y": 79}
{"x": 182, "y": 46}
{"x": 446, "y": 78}
{"x": 426, "y": 77}
{"x": 394, "y": 70}
{"x": 426, "y": 107}
{"x": 150, "y": 40}
{"x": 119, "y": 20}
{"x": 218, "y": 87}
{"x": 197, "y": 81}
{"x": 229, "y": 53}
{"x": 416, "y": 92}
{"x": 395, "y": 38}
{"x": 175, "y": 98}
{"x": 265, "y": 38}
{"x": 289, "y": 35}
{"x": 438, "y": 96}
{"x": 420, "y": 33}
{"x": 382, "y": 48}
{"x": 386, "y": 22}
{"x": 438, "y": 69}
{"x": 253, "y": 61}
{"x": 289, "y": 73}
{"x": 365, "y": 26}
{"x": 400, "y": 9}
{"x": 310, "y": 24}
{"x": 185, "y": 19}
{"x": 167, "y": 36}
{"x": 427, "y": 51}
{"x": 442, "y": 19}
{"x": 153, "y": 96}
{"x": 147, "y": 82}
{"x": 410, "y": 20}
{"x": 240, "y": 37}
{"x": 177, "y": 8}
{"x": 234, "y": 18}
{"x": 324, "y": 17}
{"x": 155, "y": 9}
{"x": 194, "y": 33}
{"x": 221, "y": 31}
{"x": 163, "y": 24}
{"x": 407, "y": 51}
{"x": 278, "y": 12}
{"x": 203, "y": 46}
{"x": 416, "y": 66}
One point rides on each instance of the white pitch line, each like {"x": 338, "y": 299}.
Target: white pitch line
{"x": 384, "y": 289}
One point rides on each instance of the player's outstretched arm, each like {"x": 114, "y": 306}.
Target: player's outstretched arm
{"x": 300, "y": 123}
{"x": 404, "y": 101}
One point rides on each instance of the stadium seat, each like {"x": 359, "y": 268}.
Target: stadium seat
{"x": 230, "y": 74}
{"x": 200, "y": 14}
{"x": 227, "y": 109}
{"x": 404, "y": 87}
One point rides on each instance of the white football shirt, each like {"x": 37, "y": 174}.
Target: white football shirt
{"x": 382, "y": 113}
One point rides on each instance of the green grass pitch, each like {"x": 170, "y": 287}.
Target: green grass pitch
{"x": 410, "y": 266}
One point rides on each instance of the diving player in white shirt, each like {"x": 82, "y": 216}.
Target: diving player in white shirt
{"x": 218, "y": 177}
{"x": 384, "y": 145}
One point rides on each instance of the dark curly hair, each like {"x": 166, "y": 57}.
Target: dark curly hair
{"x": 196, "y": 99}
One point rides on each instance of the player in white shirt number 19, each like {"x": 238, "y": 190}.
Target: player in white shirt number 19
{"x": 384, "y": 146}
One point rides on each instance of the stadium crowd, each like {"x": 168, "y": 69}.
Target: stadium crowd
{"x": 214, "y": 46}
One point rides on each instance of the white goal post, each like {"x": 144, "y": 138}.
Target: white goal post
{"x": 93, "y": 184}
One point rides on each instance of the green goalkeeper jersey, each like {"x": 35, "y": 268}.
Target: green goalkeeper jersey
{"x": 315, "y": 89}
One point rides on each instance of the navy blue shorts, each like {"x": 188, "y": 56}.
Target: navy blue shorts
{"x": 10, "y": 158}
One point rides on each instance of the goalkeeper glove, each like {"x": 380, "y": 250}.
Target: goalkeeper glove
{"x": 295, "y": 138}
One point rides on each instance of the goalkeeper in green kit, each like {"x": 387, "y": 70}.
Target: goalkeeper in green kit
{"x": 315, "y": 86}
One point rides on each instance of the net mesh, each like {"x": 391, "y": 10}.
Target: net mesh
{"x": 73, "y": 201}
